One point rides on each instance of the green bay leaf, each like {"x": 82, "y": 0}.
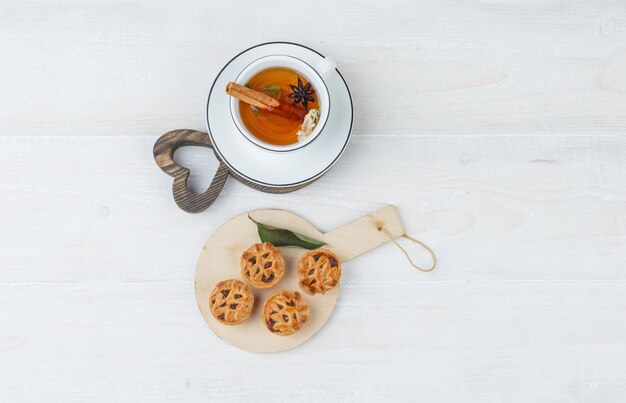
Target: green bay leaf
{"x": 284, "y": 237}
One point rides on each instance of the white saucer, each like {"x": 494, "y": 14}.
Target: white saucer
{"x": 271, "y": 169}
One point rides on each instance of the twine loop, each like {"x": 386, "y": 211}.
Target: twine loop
{"x": 406, "y": 254}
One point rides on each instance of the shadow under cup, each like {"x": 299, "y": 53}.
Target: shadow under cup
{"x": 310, "y": 74}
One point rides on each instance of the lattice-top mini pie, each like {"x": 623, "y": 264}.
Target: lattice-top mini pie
{"x": 319, "y": 270}
{"x": 262, "y": 265}
{"x": 285, "y": 312}
{"x": 231, "y": 302}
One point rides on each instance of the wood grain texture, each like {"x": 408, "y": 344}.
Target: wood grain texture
{"x": 455, "y": 67}
{"x": 493, "y": 207}
{"x": 444, "y": 341}
{"x": 527, "y": 302}
{"x": 185, "y": 198}
{"x": 501, "y": 142}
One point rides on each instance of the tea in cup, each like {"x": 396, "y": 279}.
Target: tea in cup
{"x": 281, "y": 103}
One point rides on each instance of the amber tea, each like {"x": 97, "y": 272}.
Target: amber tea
{"x": 277, "y": 105}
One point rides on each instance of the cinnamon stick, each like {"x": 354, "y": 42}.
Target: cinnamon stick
{"x": 265, "y": 103}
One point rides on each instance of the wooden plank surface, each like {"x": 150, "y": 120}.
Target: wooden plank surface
{"x": 495, "y": 208}
{"x": 444, "y": 341}
{"x": 98, "y": 264}
{"x": 496, "y": 128}
{"x": 414, "y": 67}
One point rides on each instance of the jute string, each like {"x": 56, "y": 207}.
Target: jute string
{"x": 406, "y": 254}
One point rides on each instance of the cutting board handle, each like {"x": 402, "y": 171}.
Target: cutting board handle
{"x": 365, "y": 234}
{"x": 163, "y": 151}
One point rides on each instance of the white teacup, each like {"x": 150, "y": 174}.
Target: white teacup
{"x": 313, "y": 75}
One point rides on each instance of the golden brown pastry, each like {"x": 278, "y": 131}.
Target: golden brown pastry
{"x": 231, "y": 302}
{"x": 319, "y": 270}
{"x": 262, "y": 265}
{"x": 285, "y": 312}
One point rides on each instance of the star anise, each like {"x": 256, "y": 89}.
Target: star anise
{"x": 301, "y": 93}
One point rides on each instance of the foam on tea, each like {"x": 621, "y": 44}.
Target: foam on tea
{"x": 291, "y": 89}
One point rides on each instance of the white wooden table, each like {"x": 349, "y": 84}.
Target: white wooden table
{"x": 497, "y": 128}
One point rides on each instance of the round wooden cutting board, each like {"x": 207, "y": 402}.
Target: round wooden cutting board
{"x": 219, "y": 260}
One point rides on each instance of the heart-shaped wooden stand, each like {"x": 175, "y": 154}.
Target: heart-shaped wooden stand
{"x": 219, "y": 260}
{"x": 163, "y": 152}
